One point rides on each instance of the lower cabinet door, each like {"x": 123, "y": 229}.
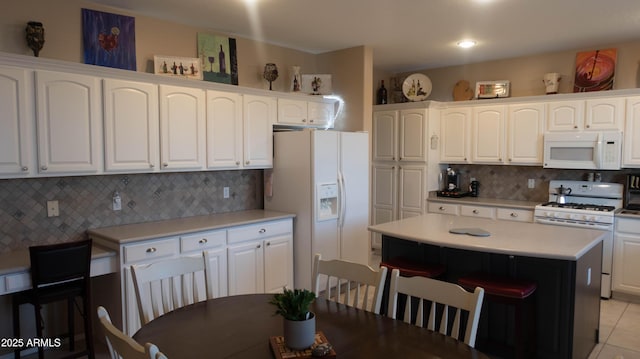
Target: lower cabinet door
{"x": 246, "y": 268}
{"x": 278, "y": 264}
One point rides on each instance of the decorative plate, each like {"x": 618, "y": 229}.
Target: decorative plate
{"x": 416, "y": 87}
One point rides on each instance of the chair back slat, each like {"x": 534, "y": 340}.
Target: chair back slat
{"x": 345, "y": 282}
{"x": 167, "y": 285}
{"x": 447, "y": 299}
{"x": 123, "y": 346}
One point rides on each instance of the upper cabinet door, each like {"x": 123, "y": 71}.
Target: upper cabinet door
{"x": 182, "y": 128}
{"x": 565, "y": 116}
{"x": 631, "y": 150}
{"x": 224, "y": 130}
{"x": 604, "y": 114}
{"x": 69, "y": 123}
{"x": 130, "y": 126}
{"x": 384, "y": 135}
{"x": 454, "y": 134}
{"x": 320, "y": 114}
{"x": 488, "y": 134}
{"x": 16, "y": 129}
{"x": 413, "y": 135}
{"x": 525, "y": 131}
{"x": 292, "y": 111}
{"x": 259, "y": 114}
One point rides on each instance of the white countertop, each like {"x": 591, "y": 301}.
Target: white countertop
{"x": 141, "y": 231}
{"x": 507, "y": 237}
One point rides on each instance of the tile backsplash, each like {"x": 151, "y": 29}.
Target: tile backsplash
{"x": 85, "y": 202}
{"x": 510, "y": 182}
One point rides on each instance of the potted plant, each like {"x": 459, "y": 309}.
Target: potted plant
{"x": 299, "y": 323}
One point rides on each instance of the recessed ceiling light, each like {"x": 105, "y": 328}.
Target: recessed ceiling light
{"x": 465, "y": 44}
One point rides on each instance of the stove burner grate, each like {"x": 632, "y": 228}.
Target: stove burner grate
{"x": 581, "y": 206}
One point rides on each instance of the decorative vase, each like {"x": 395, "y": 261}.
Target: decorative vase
{"x": 297, "y": 82}
{"x": 300, "y": 334}
{"x": 35, "y": 36}
{"x": 551, "y": 82}
{"x": 270, "y": 73}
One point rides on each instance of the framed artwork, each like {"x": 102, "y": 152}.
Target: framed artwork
{"x": 316, "y": 84}
{"x": 186, "y": 67}
{"x": 218, "y": 58}
{"x": 595, "y": 70}
{"x": 492, "y": 89}
{"x": 108, "y": 39}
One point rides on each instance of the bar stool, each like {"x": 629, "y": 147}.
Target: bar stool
{"x": 407, "y": 268}
{"x": 508, "y": 291}
{"x": 58, "y": 272}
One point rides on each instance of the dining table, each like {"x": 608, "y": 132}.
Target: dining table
{"x": 241, "y": 326}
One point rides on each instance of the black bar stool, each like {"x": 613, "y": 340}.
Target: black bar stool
{"x": 58, "y": 272}
{"x": 510, "y": 291}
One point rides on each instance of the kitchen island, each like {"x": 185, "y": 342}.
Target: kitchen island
{"x": 564, "y": 261}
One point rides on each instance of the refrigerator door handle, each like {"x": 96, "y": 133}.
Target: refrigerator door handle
{"x": 342, "y": 199}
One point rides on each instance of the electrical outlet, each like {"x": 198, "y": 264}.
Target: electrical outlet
{"x": 531, "y": 183}
{"x": 225, "y": 192}
{"x": 52, "y": 209}
{"x": 116, "y": 201}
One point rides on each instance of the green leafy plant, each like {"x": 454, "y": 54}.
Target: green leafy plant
{"x": 293, "y": 304}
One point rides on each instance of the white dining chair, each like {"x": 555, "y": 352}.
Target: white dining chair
{"x": 350, "y": 283}
{"x": 170, "y": 284}
{"x": 122, "y": 346}
{"x": 450, "y": 297}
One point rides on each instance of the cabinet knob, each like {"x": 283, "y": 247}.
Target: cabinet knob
{"x": 441, "y": 208}
{"x": 304, "y": 120}
{"x": 258, "y": 246}
{"x": 475, "y": 211}
{"x": 399, "y": 158}
{"x": 500, "y": 159}
{"x": 514, "y": 215}
{"x": 586, "y": 126}
{"x": 165, "y": 165}
{"x": 268, "y": 243}
{"x": 262, "y": 230}
{"x": 25, "y": 168}
{"x": 44, "y": 168}
{"x": 247, "y": 162}
{"x": 310, "y": 120}
{"x": 237, "y": 163}
{"x": 151, "y": 250}
{"x": 203, "y": 241}
{"x": 465, "y": 158}
{"x": 576, "y": 126}
{"x": 510, "y": 160}
{"x": 151, "y": 165}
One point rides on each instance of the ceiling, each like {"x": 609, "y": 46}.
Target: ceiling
{"x": 409, "y": 35}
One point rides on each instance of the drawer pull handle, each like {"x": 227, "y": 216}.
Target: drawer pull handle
{"x": 44, "y": 168}
{"x": 165, "y": 164}
{"x": 151, "y": 250}
{"x": 441, "y": 208}
{"x": 514, "y": 215}
{"x": 475, "y": 211}
{"x": 25, "y": 168}
{"x": 262, "y": 230}
{"x": 203, "y": 241}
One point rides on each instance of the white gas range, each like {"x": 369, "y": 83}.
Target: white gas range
{"x": 587, "y": 205}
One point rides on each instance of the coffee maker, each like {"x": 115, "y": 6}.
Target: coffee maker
{"x": 452, "y": 182}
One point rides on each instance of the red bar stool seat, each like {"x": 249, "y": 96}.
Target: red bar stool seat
{"x": 510, "y": 291}
{"x": 411, "y": 268}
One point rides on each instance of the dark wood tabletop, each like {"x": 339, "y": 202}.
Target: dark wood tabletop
{"x": 240, "y": 327}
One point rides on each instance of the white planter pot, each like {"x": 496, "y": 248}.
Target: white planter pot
{"x": 300, "y": 334}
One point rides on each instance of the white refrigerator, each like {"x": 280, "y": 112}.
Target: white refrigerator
{"x": 323, "y": 178}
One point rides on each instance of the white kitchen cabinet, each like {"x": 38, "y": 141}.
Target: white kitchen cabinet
{"x": 69, "y": 123}
{"x": 260, "y": 257}
{"x": 259, "y": 114}
{"x": 444, "y": 208}
{"x": 385, "y": 137}
{"x": 487, "y": 134}
{"x": 455, "y": 132}
{"x": 512, "y": 214}
{"x": 525, "y": 133}
{"x": 477, "y": 211}
{"x": 182, "y": 128}
{"x": 565, "y": 115}
{"x": 631, "y": 149}
{"x": 131, "y": 126}
{"x": 305, "y": 113}
{"x": 588, "y": 115}
{"x": 604, "y": 114}
{"x": 626, "y": 251}
{"x": 224, "y": 130}
{"x": 215, "y": 243}
{"x": 399, "y": 191}
{"x": 16, "y": 122}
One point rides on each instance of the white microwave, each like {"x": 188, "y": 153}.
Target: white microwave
{"x": 583, "y": 150}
